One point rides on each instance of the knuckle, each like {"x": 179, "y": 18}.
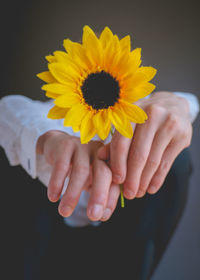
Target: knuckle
{"x": 68, "y": 142}
{"x": 82, "y": 170}
{"x": 153, "y": 163}
{"x": 155, "y": 110}
{"x": 164, "y": 167}
{"x": 61, "y": 165}
{"x": 137, "y": 157}
{"x": 99, "y": 197}
{"x": 172, "y": 123}
{"x": 66, "y": 145}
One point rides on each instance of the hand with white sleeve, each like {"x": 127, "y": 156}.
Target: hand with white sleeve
{"x": 68, "y": 157}
{"x": 142, "y": 163}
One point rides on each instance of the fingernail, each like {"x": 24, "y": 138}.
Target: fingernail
{"x": 53, "y": 197}
{"x": 129, "y": 193}
{"x": 106, "y": 214}
{"x": 96, "y": 211}
{"x": 117, "y": 179}
{"x": 152, "y": 189}
{"x": 65, "y": 210}
{"x": 140, "y": 193}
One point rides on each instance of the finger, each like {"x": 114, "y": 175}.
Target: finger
{"x": 78, "y": 178}
{"x": 102, "y": 178}
{"x": 171, "y": 152}
{"x": 59, "y": 173}
{"x": 88, "y": 182}
{"x": 119, "y": 148}
{"x": 138, "y": 154}
{"x": 161, "y": 140}
{"x": 104, "y": 152}
{"x": 113, "y": 197}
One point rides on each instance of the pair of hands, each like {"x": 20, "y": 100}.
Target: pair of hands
{"x": 141, "y": 163}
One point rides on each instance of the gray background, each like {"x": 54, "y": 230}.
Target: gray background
{"x": 167, "y": 32}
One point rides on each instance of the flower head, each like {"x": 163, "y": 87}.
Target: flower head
{"x": 96, "y": 83}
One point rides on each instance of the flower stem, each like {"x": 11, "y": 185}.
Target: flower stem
{"x": 122, "y": 196}
{"x": 121, "y": 186}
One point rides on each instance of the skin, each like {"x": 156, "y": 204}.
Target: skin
{"x": 68, "y": 156}
{"x": 141, "y": 164}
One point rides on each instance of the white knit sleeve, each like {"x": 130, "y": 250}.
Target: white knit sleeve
{"x": 22, "y": 122}
{"x": 193, "y": 103}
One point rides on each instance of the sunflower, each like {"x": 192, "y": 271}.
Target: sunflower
{"x": 95, "y": 84}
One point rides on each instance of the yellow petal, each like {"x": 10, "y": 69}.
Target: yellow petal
{"x": 129, "y": 68}
{"x": 51, "y": 58}
{"x": 63, "y": 74}
{"x": 121, "y": 63}
{"x": 87, "y": 31}
{"x": 120, "y": 122}
{"x": 65, "y": 59}
{"x": 59, "y": 88}
{"x": 110, "y": 53}
{"x": 46, "y": 77}
{"x": 125, "y": 43}
{"x": 135, "y": 79}
{"x": 76, "y": 128}
{"x": 52, "y": 94}
{"x": 67, "y": 100}
{"x": 87, "y": 130}
{"x": 102, "y": 124}
{"x": 57, "y": 113}
{"x": 92, "y": 45}
{"x": 61, "y": 57}
{"x": 142, "y": 75}
{"x": 135, "y": 57}
{"x": 72, "y": 48}
{"x": 75, "y": 116}
{"x": 105, "y": 37}
{"x": 107, "y": 123}
{"x": 133, "y": 112}
{"x": 139, "y": 92}
{"x": 77, "y": 54}
{"x": 148, "y": 72}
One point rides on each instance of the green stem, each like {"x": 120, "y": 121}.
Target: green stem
{"x": 121, "y": 186}
{"x": 122, "y": 196}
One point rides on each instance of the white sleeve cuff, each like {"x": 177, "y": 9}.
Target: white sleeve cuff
{"x": 28, "y": 142}
{"x": 193, "y": 104}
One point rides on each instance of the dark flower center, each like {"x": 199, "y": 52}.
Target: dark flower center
{"x": 100, "y": 90}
